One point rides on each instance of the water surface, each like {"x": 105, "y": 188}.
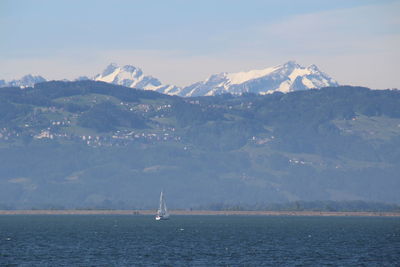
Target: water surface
{"x": 108, "y": 240}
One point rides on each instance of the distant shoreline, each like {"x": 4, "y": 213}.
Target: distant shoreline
{"x": 200, "y": 212}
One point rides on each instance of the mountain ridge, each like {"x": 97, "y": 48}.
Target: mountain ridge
{"x": 133, "y": 77}
{"x": 28, "y": 80}
{"x": 286, "y": 77}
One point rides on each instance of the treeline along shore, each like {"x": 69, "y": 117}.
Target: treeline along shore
{"x": 199, "y": 212}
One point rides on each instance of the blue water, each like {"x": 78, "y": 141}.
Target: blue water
{"x": 73, "y": 240}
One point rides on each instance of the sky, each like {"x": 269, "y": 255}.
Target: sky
{"x": 184, "y": 41}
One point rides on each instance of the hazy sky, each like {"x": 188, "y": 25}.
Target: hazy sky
{"x": 183, "y": 41}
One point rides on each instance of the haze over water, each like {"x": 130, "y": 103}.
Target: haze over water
{"x": 198, "y": 241}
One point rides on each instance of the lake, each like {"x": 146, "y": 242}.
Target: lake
{"x": 124, "y": 240}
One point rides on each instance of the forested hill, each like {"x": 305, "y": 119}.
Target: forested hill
{"x": 93, "y": 144}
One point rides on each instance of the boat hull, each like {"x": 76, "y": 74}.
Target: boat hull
{"x": 161, "y": 218}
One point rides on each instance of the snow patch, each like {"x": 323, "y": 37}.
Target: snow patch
{"x": 241, "y": 77}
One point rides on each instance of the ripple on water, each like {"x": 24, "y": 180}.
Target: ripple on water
{"x": 198, "y": 241}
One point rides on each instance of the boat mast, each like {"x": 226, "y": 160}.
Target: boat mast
{"x": 160, "y": 209}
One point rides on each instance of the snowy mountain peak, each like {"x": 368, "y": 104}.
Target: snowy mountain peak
{"x": 131, "y": 69}
{"x": 291, "y": 64}
{"x": 109, "y": 69}
{"x": 26, "y": 81}
{"x": 314, "y": 67}
{"x": 287, "y": 77}
{"x": 131, "y": 76}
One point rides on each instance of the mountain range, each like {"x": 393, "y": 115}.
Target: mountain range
{"x": 26, "y": 81}
{"x": 284, "y": 78}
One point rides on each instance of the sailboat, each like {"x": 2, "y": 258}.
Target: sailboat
{"x": 162, "y": 212}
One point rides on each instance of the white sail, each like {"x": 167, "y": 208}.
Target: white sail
{"x": 162, "y": 212}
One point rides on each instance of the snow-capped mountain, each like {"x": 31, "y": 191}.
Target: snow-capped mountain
{"x": 26, "y": 81}
{"x": 284, "y": 78}
{"x": 133, "y": 77}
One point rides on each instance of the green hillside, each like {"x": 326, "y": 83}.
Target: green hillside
{"x": 92, "y": 144}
